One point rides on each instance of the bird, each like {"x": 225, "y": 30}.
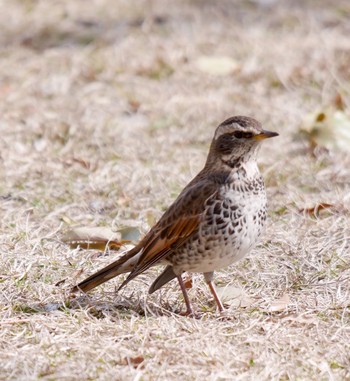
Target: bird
{"x": 215, "y": 221}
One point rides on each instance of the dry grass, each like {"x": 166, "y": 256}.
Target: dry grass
{"x": 104, "y": 118}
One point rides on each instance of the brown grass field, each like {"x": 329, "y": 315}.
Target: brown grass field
{"x": 107, "y": 109}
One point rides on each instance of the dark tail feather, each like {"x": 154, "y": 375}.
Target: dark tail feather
{"x": 166, "y": 276}
{"x": 114, "y": 269}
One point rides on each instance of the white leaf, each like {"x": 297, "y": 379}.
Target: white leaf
{"x": 216, "y": 65}
{"x": 234, "y": 296}
{"x": 328, "y": 128}
{"x": 93, "y": 233}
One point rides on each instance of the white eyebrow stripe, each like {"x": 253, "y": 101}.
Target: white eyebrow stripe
{"x": 221, "y": 130}
{"x": 225, "y": 129}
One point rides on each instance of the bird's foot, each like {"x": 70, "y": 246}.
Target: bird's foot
{"x": 189, "y": 314}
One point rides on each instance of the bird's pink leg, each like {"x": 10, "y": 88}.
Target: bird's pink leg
{"x": 216, "y": 297}
{"x": 189, "y": 311}
{"x": 209, "y": 279}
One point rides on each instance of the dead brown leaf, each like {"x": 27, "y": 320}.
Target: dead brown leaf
{"x": 96, "y": 238}
{"x": 188, "y": 282}
{"x": 315, "y": 210}
{"x": 135, "y": 362}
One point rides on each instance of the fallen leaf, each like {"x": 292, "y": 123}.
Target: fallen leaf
{"x": 234, "y": 296}
{"x": 94, "y": 238}
{"x": 315, "y": 211}
{"x": 328, "y": 128}
{"x": 280, "y": 304}
{"x": 134, "y": 361}
{"x": 188, "y": 282}
{"x": 216, "y": 65}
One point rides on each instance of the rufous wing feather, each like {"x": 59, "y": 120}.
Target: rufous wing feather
{"x": 164, "y": 241}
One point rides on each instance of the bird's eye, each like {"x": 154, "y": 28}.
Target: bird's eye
{"x": 241, "y": 134}
{"x": 238, "y": 134}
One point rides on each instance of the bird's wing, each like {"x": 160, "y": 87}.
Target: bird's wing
{"x": 175, "y": 227}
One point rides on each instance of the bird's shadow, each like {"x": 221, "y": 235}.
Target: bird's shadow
{"x": 120, "y": 308}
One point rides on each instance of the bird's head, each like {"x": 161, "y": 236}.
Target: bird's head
{"x": 236, "y": 140}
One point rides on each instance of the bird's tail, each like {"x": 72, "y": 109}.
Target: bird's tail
{"x": 123, "y": 265}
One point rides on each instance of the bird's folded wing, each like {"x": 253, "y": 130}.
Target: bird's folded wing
{"x": 174, "y": 228}
{"x": 168, "y": 239}
{"x": 161, "y": 243}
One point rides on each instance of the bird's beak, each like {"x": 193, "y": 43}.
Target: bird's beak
{"x": 265, "y": 135}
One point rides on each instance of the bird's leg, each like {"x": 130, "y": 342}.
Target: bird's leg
{"x": 216, "y": 297}
{"x": 209, "y": 279}
{"x": 189, "y": 311}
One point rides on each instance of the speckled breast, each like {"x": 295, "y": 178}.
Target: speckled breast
{"x": 232, "y": 223}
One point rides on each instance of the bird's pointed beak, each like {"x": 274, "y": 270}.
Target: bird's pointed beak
{"x": 265, "y": 135}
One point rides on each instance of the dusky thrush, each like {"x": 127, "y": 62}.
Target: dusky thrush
{"x": 215, "y": 221}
